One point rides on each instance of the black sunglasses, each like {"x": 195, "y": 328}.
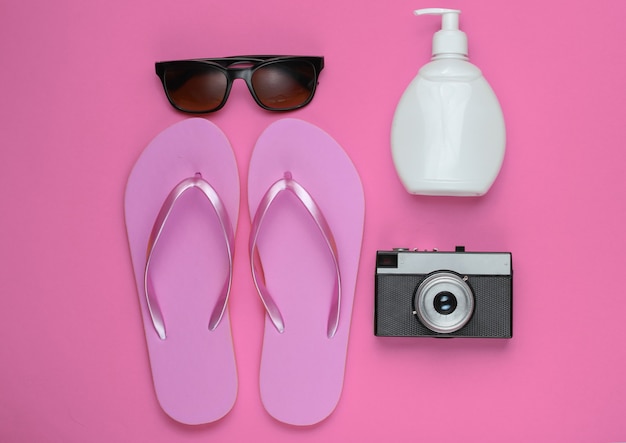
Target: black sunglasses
{"x": 277, "y": 83}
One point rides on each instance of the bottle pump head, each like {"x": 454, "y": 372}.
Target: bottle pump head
{"x": 450, "y": 40}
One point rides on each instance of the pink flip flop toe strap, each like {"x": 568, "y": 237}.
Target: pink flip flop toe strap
{"x": 211, "y": 194}
{"x": 287, "y": 183}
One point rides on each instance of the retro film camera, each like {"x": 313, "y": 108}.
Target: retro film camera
{"x": 443, "y": 294}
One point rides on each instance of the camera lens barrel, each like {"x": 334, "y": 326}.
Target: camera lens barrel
{"x": 444, "y": 302}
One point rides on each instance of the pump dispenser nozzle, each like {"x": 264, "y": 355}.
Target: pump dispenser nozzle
{"x": 450, "y": 41}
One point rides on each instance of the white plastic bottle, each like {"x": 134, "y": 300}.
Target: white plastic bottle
{"x": 448, "y": 135}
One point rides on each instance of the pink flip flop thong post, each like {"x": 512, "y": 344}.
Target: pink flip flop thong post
{"x": 307, "y": 208}
{"x": 182, "y": 203}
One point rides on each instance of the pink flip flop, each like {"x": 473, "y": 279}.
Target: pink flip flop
{"x": 307, "y": 208}
{"x": 182, "y": 204}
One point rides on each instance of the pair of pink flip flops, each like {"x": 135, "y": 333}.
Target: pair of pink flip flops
{"x": 307, "y": 209}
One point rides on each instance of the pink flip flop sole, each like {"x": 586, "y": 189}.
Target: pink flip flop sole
{"x": 302, "y": 367}
{"x": 193, "y": 367}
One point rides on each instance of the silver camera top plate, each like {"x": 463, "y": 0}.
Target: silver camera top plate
{"x": 425, "y": 262}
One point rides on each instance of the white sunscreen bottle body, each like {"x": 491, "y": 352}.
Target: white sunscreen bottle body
{"x": 448, "y": 135}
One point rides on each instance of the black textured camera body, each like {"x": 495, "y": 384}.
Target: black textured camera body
{"x": 400, "y": 279}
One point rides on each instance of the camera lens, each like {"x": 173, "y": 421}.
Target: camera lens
{"x": 445, "y": 303}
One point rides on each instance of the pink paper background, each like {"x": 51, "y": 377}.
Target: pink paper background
{"x": 80, "y": 101}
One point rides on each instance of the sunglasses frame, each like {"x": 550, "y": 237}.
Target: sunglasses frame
{"x": 240, "y": 67}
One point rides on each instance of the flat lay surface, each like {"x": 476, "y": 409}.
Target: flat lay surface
{"x": 81, "y": 103}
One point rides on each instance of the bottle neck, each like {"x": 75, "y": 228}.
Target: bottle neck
{"x": 450, "y": 56}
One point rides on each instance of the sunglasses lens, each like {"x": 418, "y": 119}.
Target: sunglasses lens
{"x": 284, "y": 85}
{"x": 196, "y": 88}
